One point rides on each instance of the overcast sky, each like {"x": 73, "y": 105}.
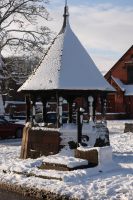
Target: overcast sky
{"x": 105, "y": 28}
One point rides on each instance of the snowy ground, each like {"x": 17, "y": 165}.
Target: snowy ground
{"x": 109, "y": 182}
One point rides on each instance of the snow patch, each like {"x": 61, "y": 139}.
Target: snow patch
{"x": 108, "y": 181}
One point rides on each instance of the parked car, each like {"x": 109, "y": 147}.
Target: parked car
{"x": 8, "y": 130}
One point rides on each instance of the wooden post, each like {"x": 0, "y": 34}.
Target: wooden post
{"x": 28, "y": 105}
{"x": 44, "y": 111}
{"x": 103, "y": 107}
{"x": 104, "y": 111}
{"x": 70, "y": 112}
{"x": 94, "y": 109}
{"x": 57, "y": 111}
{"x": 87, "y": 103}
{"x": 60, "y": 109}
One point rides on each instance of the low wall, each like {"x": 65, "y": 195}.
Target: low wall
{"x": 128, "y": 127}
{"x": 114, "y": 116}
{"x": 91, "y": 155}
{"x": 39, "y": 142}
{"x": 96, "y": 156}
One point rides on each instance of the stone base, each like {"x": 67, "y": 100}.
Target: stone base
{"x": 61, "y": 167}
{"x": 36, "y": 143}
{"x": 128, "y": 127}
{"x": 90, "y": 155}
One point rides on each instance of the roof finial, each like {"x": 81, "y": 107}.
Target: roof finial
{"x": 65, "y": 15}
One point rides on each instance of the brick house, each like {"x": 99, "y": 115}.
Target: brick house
{"x": 120, "y": 76}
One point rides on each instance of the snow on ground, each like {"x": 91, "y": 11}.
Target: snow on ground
{"x": 109, "y": 182}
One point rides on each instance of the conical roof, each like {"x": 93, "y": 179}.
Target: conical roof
{"x": 66, "y": 66}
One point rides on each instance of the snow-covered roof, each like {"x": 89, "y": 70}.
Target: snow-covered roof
{"x": 119, "y": 83}
{"x": 66, "y": 65}
{"x": 128, "y": 89}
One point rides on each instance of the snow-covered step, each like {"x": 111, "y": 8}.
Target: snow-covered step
{"x": 64, "y": 163}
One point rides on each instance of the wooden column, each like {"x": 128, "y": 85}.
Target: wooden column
{"x": 44, "y": 111}
{"x": 57, "y": 110}
{"x": 87, "y": 103}
{"x": 60, "y": 109}
{"x": 94, "y": 109}
{"x": 70, "y": 110}
{"x": 103, "y": 107}
{"x": 33, "y": 111}
{"x": 28, "y": 106}
{"x": 104, "y": 110}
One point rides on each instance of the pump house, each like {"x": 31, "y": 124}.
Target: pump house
{"x": 67, "y": 72}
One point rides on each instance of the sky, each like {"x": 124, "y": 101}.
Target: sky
{"x": 105, "y": 28}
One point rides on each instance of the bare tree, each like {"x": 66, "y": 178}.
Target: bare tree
{"x": 22, "y": 33}
{"x": 2, "y": 70}
{"x": 20, "y": 27}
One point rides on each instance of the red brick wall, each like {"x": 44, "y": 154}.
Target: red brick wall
{"x": 119, "y": 69}
{"x": 119, "y": 103}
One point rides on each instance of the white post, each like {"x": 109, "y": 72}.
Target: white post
{"x": 90, "y": 99}
{"x": 60, "y": 109}
{"x": 34, "y": 110}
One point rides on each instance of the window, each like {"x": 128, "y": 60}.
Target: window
{"x": 131, "y": 57}
{"x": 130, "y": 75}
